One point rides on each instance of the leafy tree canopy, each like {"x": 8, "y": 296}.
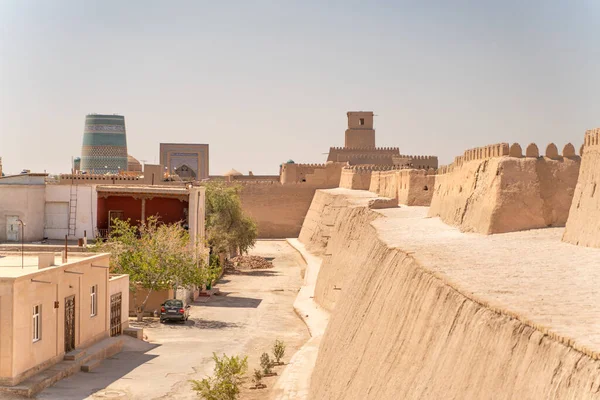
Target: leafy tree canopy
{"x": 156, "y": 256}
{"x": 227, "y": 226}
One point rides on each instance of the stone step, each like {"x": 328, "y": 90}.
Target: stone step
{"x": 91, "y": 356}
{"x": 75, "y": 355}
{"x": 91, "y": 365}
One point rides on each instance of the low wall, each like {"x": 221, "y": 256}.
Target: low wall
{"x": 153, "y": 303}
{"x": 357, "y": 177}
{"x": 488, "y": 194}
{"x": 384, "y": 183}
{"x": 415, "y": 187}
{"x": 583, "y": 225}
{"x": 398, "y": 331}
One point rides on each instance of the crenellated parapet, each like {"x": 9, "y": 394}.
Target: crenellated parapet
{"x": 364, "y": 149}
{"x": 484, "y": 189}
{"x": 592, "y": 138}
{"x": 504, "y": 150}
{"x": 375, "y": 167}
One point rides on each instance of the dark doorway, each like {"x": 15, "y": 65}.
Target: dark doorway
{"x": 69, "y": 323}
{"x": 115, "y": 314}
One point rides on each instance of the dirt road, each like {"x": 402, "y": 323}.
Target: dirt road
{"x": 254, "y": 309}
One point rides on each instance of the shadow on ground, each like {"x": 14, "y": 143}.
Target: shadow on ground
{"x": 79, "y": 386}
{"x": 225, "y": 300}
{"x": 253, "y": 272}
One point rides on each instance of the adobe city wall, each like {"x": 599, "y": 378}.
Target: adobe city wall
{"x": 583, "y": 225}
{"x": 400, "y": 331}
{"x": 325, "y": 175}
{"x": 278, "y": 210}
{"x": 495, "y": 189}
{"x": 412, "y": 187}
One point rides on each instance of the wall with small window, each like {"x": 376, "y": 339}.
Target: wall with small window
{"x": 38, "y": 322}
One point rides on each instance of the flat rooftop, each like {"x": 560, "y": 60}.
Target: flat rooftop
{"x": 530, "y": 274}
{"x": 10, "y": 263}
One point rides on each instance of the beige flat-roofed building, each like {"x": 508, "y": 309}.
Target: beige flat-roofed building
{"x": 49, "y": 308}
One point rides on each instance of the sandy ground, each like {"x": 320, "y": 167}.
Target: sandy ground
{"x": 294, "y": 383}
{"x": 254, "y": 309}
{"x": 532, "y": 274}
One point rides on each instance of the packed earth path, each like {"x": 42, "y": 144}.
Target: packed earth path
{"x": 252, "y": 311}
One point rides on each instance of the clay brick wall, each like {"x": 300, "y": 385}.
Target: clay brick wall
{"x": 415, "y": 187}
{"x": 279, "y": 210}
{"x": 356, "y": 177}
{"x": 384, "y": 183}
{"x": 323, "y": 175}
{"x": 408, "y": 186}
{"x": 583, "y": 224}
{"x": 494, "y": 189}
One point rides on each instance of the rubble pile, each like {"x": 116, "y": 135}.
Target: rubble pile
{"x": 251, "y": 262}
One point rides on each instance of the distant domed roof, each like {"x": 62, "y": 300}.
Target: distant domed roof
{"x": 133, "y": 164}
{"x": 232, "y": 172}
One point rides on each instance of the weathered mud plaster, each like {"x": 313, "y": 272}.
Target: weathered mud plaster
{"x": 583, "y": 226}
{"x": 506, "y": 194}
{"x": 423, "y": 311}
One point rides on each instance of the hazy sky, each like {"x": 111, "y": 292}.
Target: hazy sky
{"x": 265, "y": 81}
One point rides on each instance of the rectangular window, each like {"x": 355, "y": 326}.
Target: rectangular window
{"x": 93, "y": 301}
{"x": 361, "y": 121}
{"x": 37, "y": 322}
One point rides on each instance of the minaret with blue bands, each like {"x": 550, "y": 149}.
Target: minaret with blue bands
{"x": 104, "y": 149}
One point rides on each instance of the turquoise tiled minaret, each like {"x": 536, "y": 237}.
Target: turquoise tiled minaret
{"x": 104, "y": 147}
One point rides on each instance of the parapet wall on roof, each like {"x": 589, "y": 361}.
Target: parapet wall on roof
{"x": 357, "y": 177}
{"x": 494, "y": 189}
{"x": 503, "y": 150}
{"x": 412, "y": 187}
{"x": 94, "y": 178}
{"x": 583, "y": 224}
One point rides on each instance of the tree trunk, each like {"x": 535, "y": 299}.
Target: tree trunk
{"x": 140, "y": 310}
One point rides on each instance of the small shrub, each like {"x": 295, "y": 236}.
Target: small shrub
{"x": 278, "y": 351}
{"x": 257, "y": 378}
{"x": 265, "y": 363}
{"x": 225, "y": 384}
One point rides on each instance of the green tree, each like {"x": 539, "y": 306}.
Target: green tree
{"x": 156, "y": 256}
{"x": 227, "y": 226}
{"x": 225, "y": 383}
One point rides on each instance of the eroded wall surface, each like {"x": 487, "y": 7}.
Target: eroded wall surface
{"x": 583, "y": 225}
{"x": 399, "y": 330}
{"x": 506, "y": 194}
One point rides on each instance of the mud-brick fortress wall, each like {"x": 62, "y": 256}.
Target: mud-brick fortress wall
{"x": 324, "y": 175}
{"x": 357, "y": 177}
{"x": 494, "y": 189}
{"x": 278, "y": 210}
{"x": 412, "y": 187}
{"x": 583, "y": 225}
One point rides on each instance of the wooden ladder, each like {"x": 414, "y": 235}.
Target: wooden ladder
{"x": 73, "y": 211}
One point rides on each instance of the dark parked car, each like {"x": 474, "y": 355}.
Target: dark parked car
{"x": 174, "y": 310}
